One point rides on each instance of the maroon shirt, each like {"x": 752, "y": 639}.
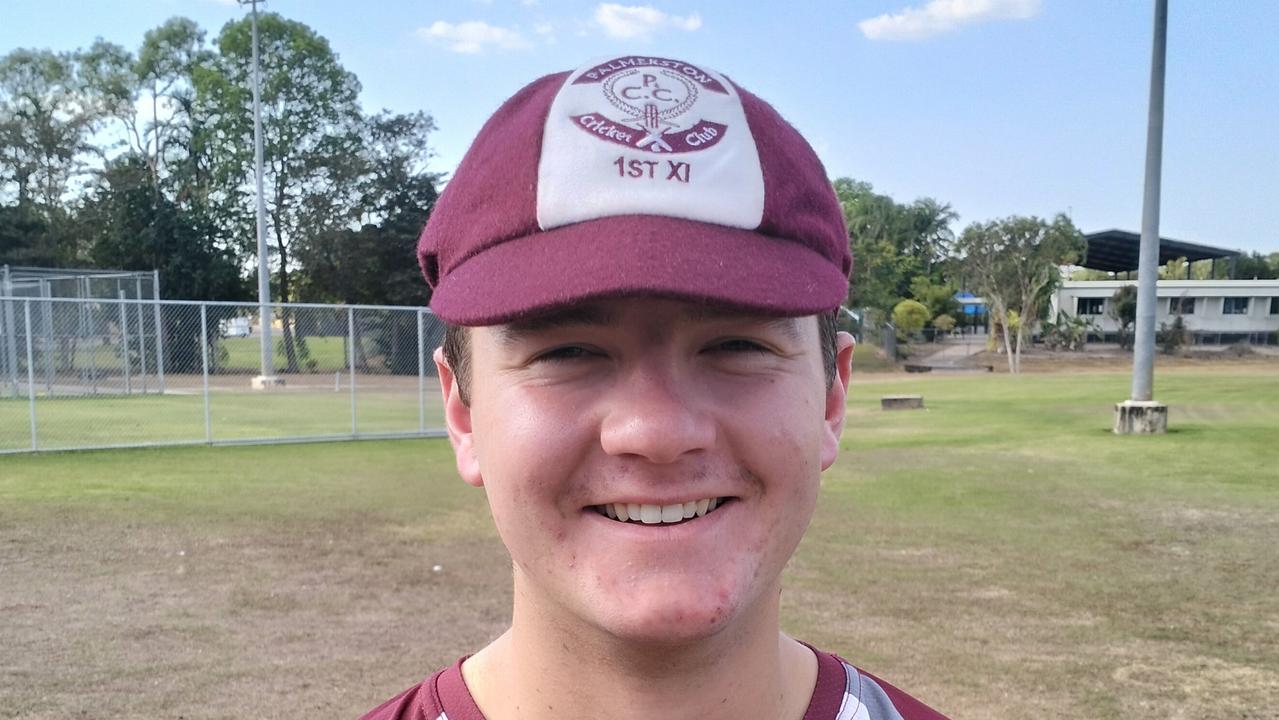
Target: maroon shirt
{"x": 842, "y": 693}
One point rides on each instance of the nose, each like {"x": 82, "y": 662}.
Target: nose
{"x": 656, "y": 412}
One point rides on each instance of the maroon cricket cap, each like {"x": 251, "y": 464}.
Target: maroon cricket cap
{"x": 635, "y": 176}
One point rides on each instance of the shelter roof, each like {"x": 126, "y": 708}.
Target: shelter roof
{"x": 1120, "y": 251}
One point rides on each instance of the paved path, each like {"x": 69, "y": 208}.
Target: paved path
{"x": 952, "y": 351}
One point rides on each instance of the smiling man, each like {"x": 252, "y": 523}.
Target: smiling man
{"x": 640, "y": 265}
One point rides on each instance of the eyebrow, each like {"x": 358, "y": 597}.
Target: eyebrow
{"x": 784, "y": 324}
{"x": 590, "y": 315}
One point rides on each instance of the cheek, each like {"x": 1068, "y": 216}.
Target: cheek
{"x": 527, "y": 453}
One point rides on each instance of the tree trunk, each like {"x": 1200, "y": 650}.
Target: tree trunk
{"x": 1008, "y": 348}
{"x": 286, "y": 317}
{"x": 1021, "y": 329}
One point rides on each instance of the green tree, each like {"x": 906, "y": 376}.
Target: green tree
{"x": 938, "y": 297}
{"x": 1252, "y": 266}
{"x": 45, "y": 125}
{"x": 1123, "y": 308}
{"x": 909, "y": 316}
{"x": 1014, "y": 263}
{"x": 892, "y": 243}
{"x": 310, "y": 129}
{"x": 131, "y": 225}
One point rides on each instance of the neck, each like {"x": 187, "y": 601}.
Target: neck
{"x": 542, "y": 669}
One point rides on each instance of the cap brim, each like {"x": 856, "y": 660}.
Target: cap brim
{"x": 635, "y": 255}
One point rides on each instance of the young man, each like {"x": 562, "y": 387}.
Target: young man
{"x": 640, "y": 265}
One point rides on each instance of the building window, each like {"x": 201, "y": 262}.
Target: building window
{"x": 1090, "y": 306}
{"x": 1274, "y": 305}
{"x": 1234, "y": 306}
{"x": 1181, "y": 306}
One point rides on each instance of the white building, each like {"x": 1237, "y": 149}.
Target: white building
{"x": 1214, "y": 311}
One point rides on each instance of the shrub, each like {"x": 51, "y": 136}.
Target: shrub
{"x": 909, "y": 316}
{"x": 1172, "y": 337}
{"x": 944, "y": 322}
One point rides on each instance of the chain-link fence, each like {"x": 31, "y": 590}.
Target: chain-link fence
{"x": 78, "y": 373}
{"x": 81, "y": 283}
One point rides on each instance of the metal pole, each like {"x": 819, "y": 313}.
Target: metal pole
{"x": 10, "y": 333}
{"x": 46, "y": 319}
{"x": 350, "y": 352}
{"x": 159, "y": 328}
{"x": 124, "y": 347}
{"x": 204, "y": 361}
{"x": 142, "y": 334}
{"x": 1143, "y": 361}
{"x": 94, "y": 343}
{"x": 421, "y": 376}
{"x": 264, "y": 278}
{"x": 31, "y": 379}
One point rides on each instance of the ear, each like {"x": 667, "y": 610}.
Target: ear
{"x": 837, "y": 398}
{"x": 457, "y": 417}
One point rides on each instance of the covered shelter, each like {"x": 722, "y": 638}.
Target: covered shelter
{"x": 1119, "y": 251}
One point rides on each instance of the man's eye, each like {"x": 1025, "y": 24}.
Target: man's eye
{"x": 566, "y": 352}
{"x": 739, "y": 345}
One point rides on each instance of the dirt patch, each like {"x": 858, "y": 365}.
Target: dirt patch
{"x": 1106, "y": 360}
{"x": 146, "y": 621}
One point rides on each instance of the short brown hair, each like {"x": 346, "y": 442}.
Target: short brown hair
{"x": 457, "y": 351}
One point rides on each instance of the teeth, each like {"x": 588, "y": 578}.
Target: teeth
{"x": 659, "y": 514}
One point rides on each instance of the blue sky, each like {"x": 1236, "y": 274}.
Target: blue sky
{"x": 997, "y": 107}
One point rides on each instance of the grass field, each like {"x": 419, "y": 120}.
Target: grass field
{"x": 327, "y": 353}
{"x": 1000, "y": 554}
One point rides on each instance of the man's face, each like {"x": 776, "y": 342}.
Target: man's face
{"x": 644, "y": 405}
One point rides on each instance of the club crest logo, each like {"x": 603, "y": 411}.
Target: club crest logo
{"x": 653, "y": 105}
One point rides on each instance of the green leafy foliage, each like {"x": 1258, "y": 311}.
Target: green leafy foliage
{"x": 1123, "y": 308}
{"x": 1014, "y": 264}
{"x": 892, "y": 243}
{"x": 909, "y": 316}
{"x": 1067, "y": 332}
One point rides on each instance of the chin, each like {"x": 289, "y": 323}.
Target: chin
{"x": 669, "y": 613}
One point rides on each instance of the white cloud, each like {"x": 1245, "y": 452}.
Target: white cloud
{"x": 473, "y": 36}
{"x": 543, "y": 28}
{"x": 943, "y": 16}
{"x": 640, "y": 21}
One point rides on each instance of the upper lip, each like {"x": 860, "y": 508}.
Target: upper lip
{"x": 681, "y": 499}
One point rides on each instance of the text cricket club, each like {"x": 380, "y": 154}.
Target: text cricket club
{"x": 656, "y": 98}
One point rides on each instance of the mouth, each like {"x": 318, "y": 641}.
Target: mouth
{"x": 643, "y": 514}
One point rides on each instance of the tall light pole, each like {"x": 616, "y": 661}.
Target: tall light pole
{"x": 267, "y": 378}
{"x": 1141, "y": 414}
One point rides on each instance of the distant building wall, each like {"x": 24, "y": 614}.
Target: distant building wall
{"x": 1212, "y": 307}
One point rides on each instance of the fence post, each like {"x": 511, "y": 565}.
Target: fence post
{"x": 91, "y": 340}
{"x": 142, "y": 335}
{"x": 204, "y": 361}
{"x": 124, "y": 344}
{"x": 159, "y": 329}
{"x": 46, "y": 316}
{"x": 10, "y": 333}
{"x": 350, "y": 351}
{"x": 421, "y": 376}
{"x": 31, "y": 378}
